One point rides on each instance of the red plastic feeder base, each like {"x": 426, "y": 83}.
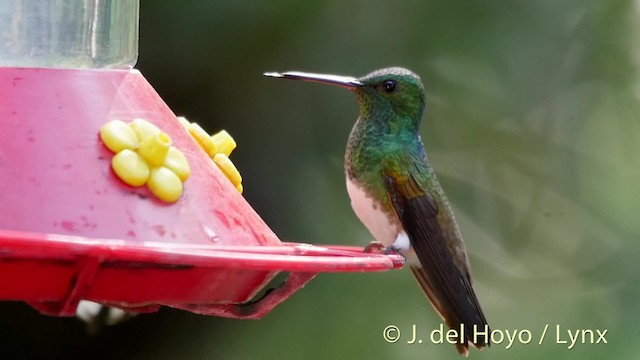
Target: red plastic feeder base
{"x": 71, "y": 230}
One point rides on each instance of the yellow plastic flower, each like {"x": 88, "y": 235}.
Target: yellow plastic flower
{"x": 219, "y": 147}
{"x": 144, "y": 155}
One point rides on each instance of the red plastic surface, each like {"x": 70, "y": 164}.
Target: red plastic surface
{"x": 71, "y": 230}
{"x": 56, "y": 175}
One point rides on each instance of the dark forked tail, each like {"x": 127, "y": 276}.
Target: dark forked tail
{"x": 473, "y": 316}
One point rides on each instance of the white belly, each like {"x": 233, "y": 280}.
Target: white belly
{"x": 372, "y": 216}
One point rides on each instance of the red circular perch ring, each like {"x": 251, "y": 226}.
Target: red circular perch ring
{"x": 71, "y": 230}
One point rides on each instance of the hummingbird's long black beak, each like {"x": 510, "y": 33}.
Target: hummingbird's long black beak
{"x": 347, "y": 82}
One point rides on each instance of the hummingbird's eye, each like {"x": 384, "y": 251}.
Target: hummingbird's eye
{"x": 389, "y": 86}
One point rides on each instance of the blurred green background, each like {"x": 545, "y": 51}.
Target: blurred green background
{"x": 532, "y": 126}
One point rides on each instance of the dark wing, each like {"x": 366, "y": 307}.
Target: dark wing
{"x": 446, "y": 285}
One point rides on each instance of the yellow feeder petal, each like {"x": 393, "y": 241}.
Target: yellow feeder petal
{"x": 183, "y": 120}
{"x": 130, "y": 167}
{"x": 228, "y": 168}
{"x": 165, "y": 184}
{"x": 240, "y": 188}
{"x": 177, "y": 162}
{"x": 202, "y": 138}
{"x": 144, "y": 129}
{"x": 224, "y": 142}
{"x": 117, "y": 135}
{"x": 154, "y": 149}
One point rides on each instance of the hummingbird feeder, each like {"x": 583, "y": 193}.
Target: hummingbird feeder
{"x": 78, "y": 220}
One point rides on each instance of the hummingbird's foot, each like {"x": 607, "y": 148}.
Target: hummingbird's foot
{"x": 392, "y": 250}
{"x": 375, "y": 247}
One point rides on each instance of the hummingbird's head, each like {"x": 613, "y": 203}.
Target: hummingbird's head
{"x": 391, "y": 91}
{"x": 396, "y": 89}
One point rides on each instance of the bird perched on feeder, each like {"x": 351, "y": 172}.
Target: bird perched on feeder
{"x": 395, "y": 193}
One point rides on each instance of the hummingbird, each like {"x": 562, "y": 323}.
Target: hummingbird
{"x": 396, "y": 195}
